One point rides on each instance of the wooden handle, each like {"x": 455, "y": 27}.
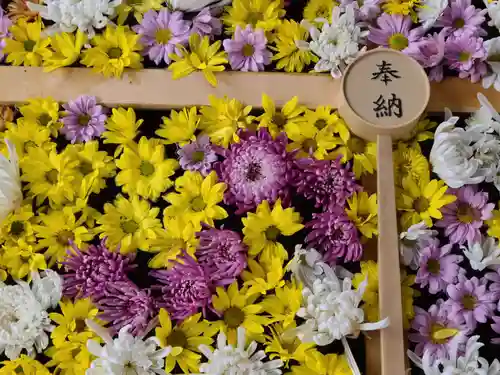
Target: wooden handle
{"x": 392, "y": 339}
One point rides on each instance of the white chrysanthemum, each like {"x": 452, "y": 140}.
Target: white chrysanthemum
{"x": 468, "y": 363}
{"x": 483, "y": 254}
{"x": 493, "y": 49}
{"x": 226, "y": 359}
{"x": 430, "y": 11}
{"x": 337, "y": 44}
{"x": 494, "y": 12}
{"x": 11, "y": 194}
{"x": 126, "y": 354}
{"x": 23, "y": 319}
{"x": 195, "y": 5}
{"x": 452, "y": 154}
{"x": 413, "y": 241}
{"x": 69, "y": 15}
{"x": 485, "y": 120}
{"x": 365, "y": 10}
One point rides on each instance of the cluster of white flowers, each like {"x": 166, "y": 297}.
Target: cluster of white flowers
{"x": 337, "y": 44}
{"x": 493, "y": 49}
{"x": 493, "y": 7}
{"x": 459, "y": 363}
{"x": 69, "y": 15}
{"x": 430, "y": 11}
{"x": 24, "y": 321}
{"x": 413, "y": 241}
{"x": 11, "y": 194}
{"x": 472, "y": 155}
{"x": 484, "y": 254}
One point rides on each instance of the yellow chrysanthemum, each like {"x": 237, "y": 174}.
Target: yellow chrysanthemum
{"x": 27, "y": 46}
{"x": 58, "y": 229}
{"x": 319, "y": 9}
{"x": 410, "y": 162}
{"x": 121, "y": 128}
{"x": 184, "y": 338}
{"x": 26, "y": 134}
{"x": 180, "y": 126}
{"x": 197, "y": 198}
{"x": 66, "y": 49}
{"x": 289, "y": 56}
{"x": 276, "y": 121}
{"x": 222, "y": 119}
{"x": 363, "y": 155}
{"x": 71, "y": 322}
{"x": 22, "y": 258}
{"x": 363, "y": 210}
{"x": 422, "y": 132}
{"x": 239, "y": 310}
{"x": 71, "y": 358}
{"x": 19, "y": 225}
{"x": 494, "y": 224}
{"x": 202, "y": 56}
{"x": 138, "y": 8}
{"x": 404, "y": 7}
{"x": 422, "y": 200}
{"x": 323, "y": 364}
{"x": 286, "y": 347}
{"x": 113, "y": 51}
{"x": 407, "y": 295}
{"x": 259, "y": 279}
{"x": 44, "y": 111}
{"x": 176, "y": 236}
{"x": 144, "y": 169}
{"x": 130, "y": 223}
{"x": 262, "y": 230}
{"x": 284, "y": 304}
{"x": 23, "y": 365}
{"x": 326, "y": 117}
{"x": 50, "y": 175}
{"x": 94, "y": 166}
{"x": 261, "y": 14}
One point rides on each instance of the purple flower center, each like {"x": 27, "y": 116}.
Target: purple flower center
{"x": 83, "y": 120}
{"x": 115, "y": 53}
{"x": 234, "y": 317}
{"x": 467, "y": 214}
{"x": 398, "y": 41}
{"x": 163, "y": 36}
{"x": 272, "y": 233}
{"x": 469, "y": 302}
{"x": 129, "y": 226}
{"x": 44, "y": 118}
{"x": 177, "y": 338}
{"x": 147, "y": 169}
{"x": 433, "y": 266}
{"x": 254, "y": 171}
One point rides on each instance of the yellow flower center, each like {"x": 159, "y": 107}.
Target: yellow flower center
{"x": 433, "y": 266}
{"x": 80, "y": 325}
{"x": 64, "y": 236}
{"x": 279, "y": 120}
{"x": 398, "y": 41}
{"x": 52, "y": 176}
{"x": 459, "y": 23}
{"x": 19, "y": 370}
{"x": 83, "y": 120}
{"x": 115, "y": 53}
{"x": 357, "y": 145}
{"x": 494, "y": 57}
{"x": 134, "y": 3}
{"x": 44, "y": 119}
{"x": 234, "y": 317}
{"x": 29, "y": 45}
{"x": 441, "y": 334}
{"x": 421, "y": 204}
{"x": 254, "y": 17}
{"x": 272, "y": 233}
{"x": 198, "y": 156}
{"x": 309, "y": 145}
{"x": 163, "y": 36}
{"x": 16, "y": 228}
{"x": 177, "y": 338}
{"x": 248, "y": 50}
{"x": 466, "y": 214}
{"x": 464, "y": 56}
{"x": 198, "y": 204}
{"x": 129, "y": 226}
{"x": 28, "y": 144}
{"x": 320, "y": 124}
{"x": 469, "y": 302}
{"x": 85, "y": 167}
{"x": 147, "y": 169}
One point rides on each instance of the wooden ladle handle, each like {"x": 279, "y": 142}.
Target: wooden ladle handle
{"x": 392, "y": 339}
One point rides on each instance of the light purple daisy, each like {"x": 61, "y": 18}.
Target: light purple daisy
{"x": 256, "y": 169}
{"x": 466, "y": 54}
{"x": 429, "y": 52}
{"x": 462, "y": 16}
{"x": 394, "y": 31}
{"x": 84, "y": 119}
{"x": 5, "y": 23}
{"x": 197, "y": 156}
{"x": 205, "y": 24}
{"x": 89, "y": 272}
{"x": 364, "y": 10}
{"x": 161, "y": 32}
{"x": 427, "y": 331}
{"x": 470, "y": 300}
{"x": 496, "y": 328}
{"x": 327, "y": 182}
{"x": 222, "y": 254}
{"x": 123, "y": 303}
{"x": 185, "y": 290}
{"x": 247, "y": 50}
{"x": 462, "y": 220}
{"x": 335, "y": 236}
{"x": 438, "y": 267}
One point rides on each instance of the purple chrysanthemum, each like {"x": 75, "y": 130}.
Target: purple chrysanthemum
{"x": 205, "y": 24}
{"x": 394, "y": 31}
{"x": 197, "y": 156}
{"x": 461, "y": 16}
{"x": 185, "y": 289}
{"x": 438, "y": 267}
{"x": 222, "y": 254}
{"x": 247, "y": 50}
{"x": 428, "y": 334}
{"x": 335, "y": 236}
{"x": 84, "y": 120}
{"x": 429, "y": 52}
{"x": 327, "y": 182}
{"x": 161, "y": 32}
{"x": 462, "y": 220}
{"x": 256, "y": 169}
{"x": 123, "y": 303}
{"x": 470, "y": 300}
{"x": 466, "y": 54}
{"x": 5, "y": 23}
{"x": 496, "y": 328}
{"x": 89, "y": 272}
